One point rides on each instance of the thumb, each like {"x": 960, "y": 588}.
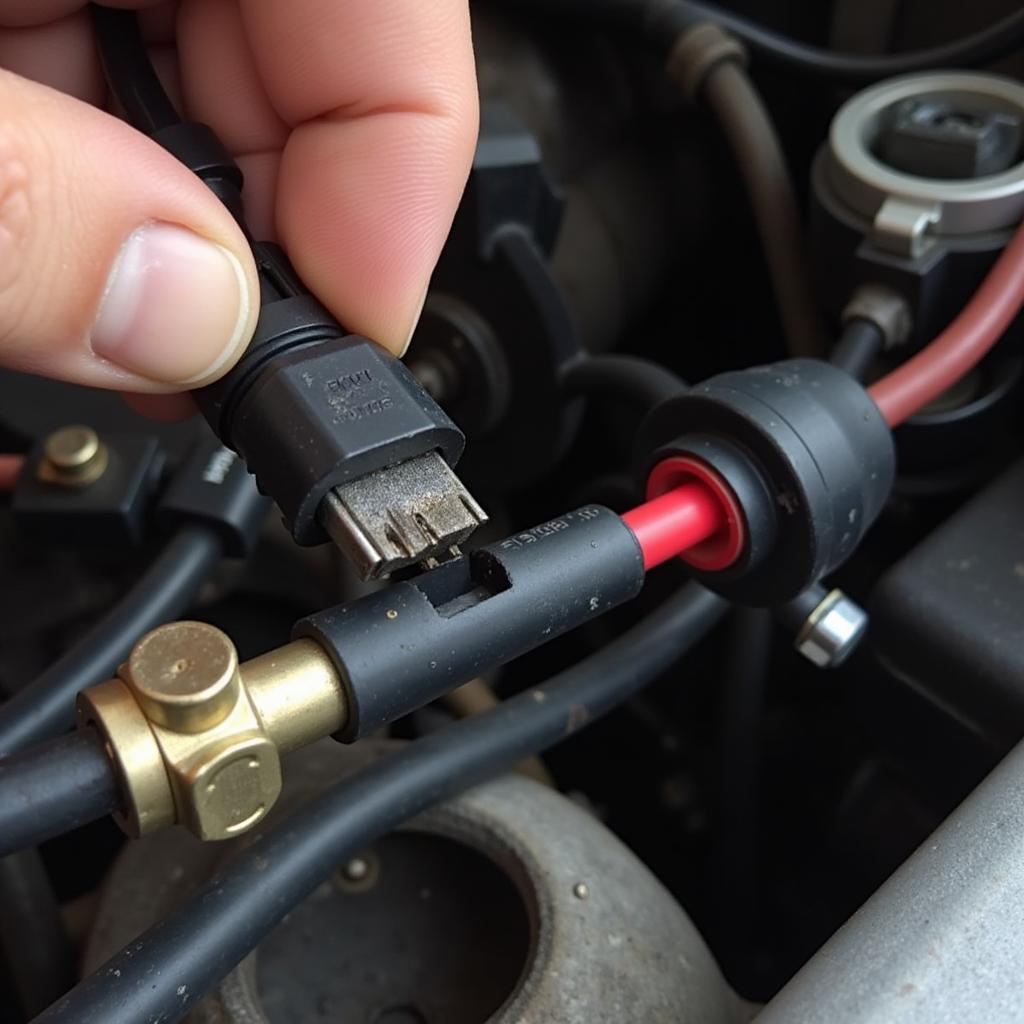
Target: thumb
{"x": 118, "y": 268}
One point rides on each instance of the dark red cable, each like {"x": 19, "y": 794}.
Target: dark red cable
{"x": 961, "y": 345}
{"x": 670, "y": 524}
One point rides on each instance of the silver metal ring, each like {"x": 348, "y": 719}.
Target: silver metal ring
{"x": 945, "y": 207}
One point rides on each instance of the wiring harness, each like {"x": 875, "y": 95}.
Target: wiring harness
{"x": 760, "y": 482}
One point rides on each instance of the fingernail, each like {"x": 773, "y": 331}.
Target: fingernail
{"x": 176, "y": 306}
{"x": 415, "y": 322}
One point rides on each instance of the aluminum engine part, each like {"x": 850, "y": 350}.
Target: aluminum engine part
{"x": 507, "y": 904}
{"x": 941, "y": 940}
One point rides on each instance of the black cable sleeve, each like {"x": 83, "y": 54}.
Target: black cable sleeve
{"x": 127, "y": 67}
{"x": 47, "y": 705}
{"x": 661, "y": 22}
{"x": 164, "y": 972}
{"x": 999, "y": 39}
{"x": 35, "y": 946}
{"x": 641, "y": 383}
{"x": 732, "y": 881}
{"x": 53, "y": 788}
{"x": 859, "y": 345}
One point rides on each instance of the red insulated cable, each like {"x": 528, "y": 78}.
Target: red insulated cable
{"x": 675, "y": 521}
{"x": 961, "y": 345}
{"x": 10, "y": 467}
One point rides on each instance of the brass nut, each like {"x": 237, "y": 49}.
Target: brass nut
{"x": 198, "y": 743}
{"x": 73, "y": 457}
{"x": 232, "y": 787}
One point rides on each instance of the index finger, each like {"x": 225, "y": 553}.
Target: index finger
{"x": 381, "y": 98}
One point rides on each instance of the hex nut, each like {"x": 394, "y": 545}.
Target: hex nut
{"x": 230, "y": 787}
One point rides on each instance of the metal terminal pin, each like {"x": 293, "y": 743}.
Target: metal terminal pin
{"x": 416, "y": 511}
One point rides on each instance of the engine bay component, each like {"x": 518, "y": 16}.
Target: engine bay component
{"x": 78, "y": 487}
{"x": 497, "y": 330}
{"x": 196, "y": 739}
{"x": 471, "y": 615}
{"x": 762, "y": 335}
{"x": 525, "y": 906}
{"x": 828, "y": 625}
{"x": 947, "y": 617}
{"x": 805, "y": 452}
{"x": 962, "y": 885}
{"x": 931, "y": 228}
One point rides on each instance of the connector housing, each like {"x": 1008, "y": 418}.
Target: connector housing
{"x": 316, "y": 418}
{"x": 308, "y": 407}
{"x": 399, "y": 648}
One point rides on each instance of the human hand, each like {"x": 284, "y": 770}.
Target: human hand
{"x": 354, "y": 124}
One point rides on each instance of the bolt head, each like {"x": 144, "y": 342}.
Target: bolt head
{"x": 832, "y": 631}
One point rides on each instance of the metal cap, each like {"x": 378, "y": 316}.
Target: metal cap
{"x": 185, "y": 676}
{"x": 832, "y": 631}
{"x": 73, "y": 456}
{"x": 905, "y": 208}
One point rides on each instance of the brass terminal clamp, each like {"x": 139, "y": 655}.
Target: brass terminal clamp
{"x": 196, "y": 738}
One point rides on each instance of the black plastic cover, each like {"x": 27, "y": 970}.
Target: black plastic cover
{"x": 408, "y": 644}
{"x": 321, "y": 415}
{"x": 949, "y": 617}
{"x": 818, "y": 442}
{"x": 212, "y": 486}
{"x": 111, "y": 512}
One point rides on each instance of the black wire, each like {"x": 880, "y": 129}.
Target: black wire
{"x": 130, "y": 72}
{"x": 859, "y": 345}
{"x": 53, "y": 788}
{"x": 164, "y": 972}
{"x": 733, "y": 881}
{"x": 35, "y": 945}
{"x": 661, "y": 22}
{"x": 997, "y": 40}
{"x": 640, "y": 382}
{"x": 47, "y": 705}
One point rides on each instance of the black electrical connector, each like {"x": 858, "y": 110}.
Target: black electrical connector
{"x": 475, "y": 613}
{"x": 334, "y": 428}
{"x": 110, "y": 511}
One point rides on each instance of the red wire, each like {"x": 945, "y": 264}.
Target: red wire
{"x": 961, "y": 345}
{"x": 10, "y": 467}
{"x": 668, "y": 525}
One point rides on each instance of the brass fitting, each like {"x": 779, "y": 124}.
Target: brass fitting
{"x": 197, "y": 738}
{"x": 73, "y": 457}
